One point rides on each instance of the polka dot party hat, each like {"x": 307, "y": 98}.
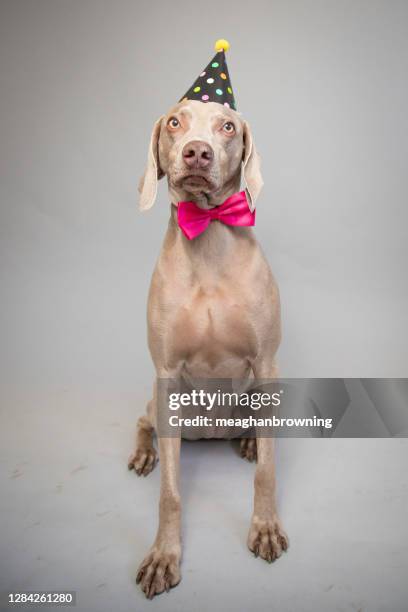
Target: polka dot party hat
{"x": 213, "y": 84}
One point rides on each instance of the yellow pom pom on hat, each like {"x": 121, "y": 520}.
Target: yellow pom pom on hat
{"x": 213, "y": 83}
{"x": 222, "y": 44}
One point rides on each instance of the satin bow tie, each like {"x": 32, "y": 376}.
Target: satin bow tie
{"x": 194, "y": 220}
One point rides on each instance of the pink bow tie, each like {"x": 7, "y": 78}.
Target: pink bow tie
{"x": 194, "y": 220}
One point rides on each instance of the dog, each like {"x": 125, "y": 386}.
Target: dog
{"x": 213, "y": 312}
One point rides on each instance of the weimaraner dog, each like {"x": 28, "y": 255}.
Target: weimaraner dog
{"x": 213, "y": 311}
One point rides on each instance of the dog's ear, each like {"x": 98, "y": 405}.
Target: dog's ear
{"x": 251, "y": 168}
{"x": 153, "y": 172}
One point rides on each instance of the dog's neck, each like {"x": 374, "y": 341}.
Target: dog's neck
{"x": 219, "y": 245}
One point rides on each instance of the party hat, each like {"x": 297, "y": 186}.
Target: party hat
{"x": 213, "y": 84}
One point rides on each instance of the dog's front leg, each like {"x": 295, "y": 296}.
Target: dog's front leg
{"x": 266, "y": 537}
{"x": 160, "y": 569}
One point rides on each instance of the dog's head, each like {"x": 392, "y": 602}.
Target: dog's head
{"x": 201, "y": 148}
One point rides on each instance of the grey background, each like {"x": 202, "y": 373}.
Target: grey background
{"x": 324, "y": 87}
{"x": 323, "y": 84}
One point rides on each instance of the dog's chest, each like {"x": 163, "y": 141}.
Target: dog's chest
{"x": 213, "y": 327}
{"x": 211, "y": 304}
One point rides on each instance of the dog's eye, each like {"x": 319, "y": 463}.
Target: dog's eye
{"x": 173, "y": 123}
{"x": 229, "y": 127}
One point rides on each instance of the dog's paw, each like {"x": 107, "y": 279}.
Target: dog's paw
{"x": 158, "y": 572}
{"x": 248, "y": 449}
{"x": 143, "y": 461}
{"x": 267, "y": 539}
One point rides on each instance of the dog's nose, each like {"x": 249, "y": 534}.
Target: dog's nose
{"x": 197, "y": 154}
